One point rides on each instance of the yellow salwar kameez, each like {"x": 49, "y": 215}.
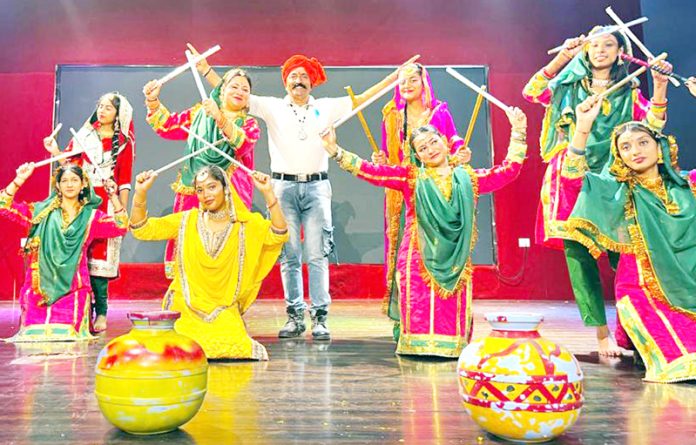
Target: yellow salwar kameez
{"x": 212, "y": 290}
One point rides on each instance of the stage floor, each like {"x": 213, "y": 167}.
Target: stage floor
{"x": 350, "y": 390}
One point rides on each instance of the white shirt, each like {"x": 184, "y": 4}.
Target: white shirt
{"x": 288, "y": 124}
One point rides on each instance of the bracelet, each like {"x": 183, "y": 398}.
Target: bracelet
{"x": 7, "y": 194}
{"x": 139, "y": 224}
{"x": 147, "y": 99}
{"x": 120, "y": 211}
{"x": 576, "y": 150}
{"x": 338, "y": 154}
{"x": 223, "y": 120}
{"x": 268, "y": 206}
{"x": 658, "y": 104}
{"x": 207, "y": 71}
{"x": 278, "y": 231}
{"x": 582, "y": 132}
{"x": 547, "y": 75}
{"x": 518, "y": 135}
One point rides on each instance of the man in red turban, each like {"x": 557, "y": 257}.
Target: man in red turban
{"x": 299, "y": 167}
{"x": 312, "y": 66}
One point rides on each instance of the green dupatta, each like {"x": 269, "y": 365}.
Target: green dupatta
{"x": 206, "y": 128}
{"x": 616, "y": 212}
{"x": 59, "y": 250}
{"x": 559, "y": 120}
{"x": 446, "y": 229}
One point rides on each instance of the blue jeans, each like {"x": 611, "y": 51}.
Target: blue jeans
{"x": 308, "y": 205}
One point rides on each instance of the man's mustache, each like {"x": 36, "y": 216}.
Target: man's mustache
{"x": 299, "y": 84}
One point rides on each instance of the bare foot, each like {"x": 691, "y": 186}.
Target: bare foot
{"x": 100, "y": 324}
{"x": 607, "y": 344}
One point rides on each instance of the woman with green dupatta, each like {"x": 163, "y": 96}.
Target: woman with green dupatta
{"x": 434, "y": 257}
{"x": 582, "y": 69}
{"x": 222, "y": 120}
{"x": 55, "y": 298}
{"x": 644, "y": 208}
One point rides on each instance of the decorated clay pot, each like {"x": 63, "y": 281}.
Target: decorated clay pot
{"x": 151, "y": 380}
{"x": 518, "y": 385}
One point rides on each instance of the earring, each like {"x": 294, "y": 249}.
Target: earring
{"x": 660, "y": 158}
{"x": 620, "y": 61}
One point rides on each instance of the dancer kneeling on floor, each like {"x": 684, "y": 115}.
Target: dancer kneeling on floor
{"x": 224, "y": 252}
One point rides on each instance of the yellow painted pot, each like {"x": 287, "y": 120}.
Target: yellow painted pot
{"x": 518, "y": 385}
{"x": 151, "y": 380}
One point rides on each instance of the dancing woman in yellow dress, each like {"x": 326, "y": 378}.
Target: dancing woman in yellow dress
{"x": 224, "y": 252}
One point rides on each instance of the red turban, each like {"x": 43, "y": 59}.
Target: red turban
{"x": 314, "y": 69}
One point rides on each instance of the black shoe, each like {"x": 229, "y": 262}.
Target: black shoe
{"x": 295, "y": 325}
{"x": 319, "y": 329}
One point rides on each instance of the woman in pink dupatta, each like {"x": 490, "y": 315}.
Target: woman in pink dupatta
{"x": 414, "y": 105}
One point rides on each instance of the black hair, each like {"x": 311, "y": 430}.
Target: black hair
{"x": 236, "y": 72}
{"x": 618, "y": 70}
{"x": 419, "y": 70}
{"x": 76, "y": 169}
{"x": 419, "y": 131}
{"x": 215, "y": 172}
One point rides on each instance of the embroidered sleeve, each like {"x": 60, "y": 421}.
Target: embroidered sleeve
{"x": 157, "y": 229}
{"x": 168, "y": 125}
{"x": 537, "y": 89}
{"x": 106, "y": 226}
{"x": 19, "y": 212}
{"x": 499, "y": 176}
{"x": 390, "y": 176}
{"x": 574, "y": 167}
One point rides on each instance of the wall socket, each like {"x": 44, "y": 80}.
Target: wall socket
{"x": 523, "y": 242}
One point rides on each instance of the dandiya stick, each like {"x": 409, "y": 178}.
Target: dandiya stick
{"x": 494, "y": 100}
{"x": 614, "y": 16}
{"x": 652, "y": 67}
{"x": 55, "y": 131}
{"x": 60, "y": 157}
{"x": 181, "y": 69}
{"x": 609, "y": 30}
{"x": 220, "y": 152}
{"x": 180, "y": 160}
{"x": 363, "y": 122}
{"x": 474, "y": 116}
{"x": 631, "y": 76}
{"x": 196, "y": 76}
{"x": 97, "y": 168}
{"x": 365, "y": 104}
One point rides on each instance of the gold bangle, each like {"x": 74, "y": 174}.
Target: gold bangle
{"x": 268, "y": 206}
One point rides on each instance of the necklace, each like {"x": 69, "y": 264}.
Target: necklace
{"x": 213, "y": 241}
{"x": 301, "y": 134}
{"x": 657, "y": 187}
{"x": 219, "y": 215}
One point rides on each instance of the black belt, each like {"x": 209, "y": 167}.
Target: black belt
{"x": 301, "y": 177}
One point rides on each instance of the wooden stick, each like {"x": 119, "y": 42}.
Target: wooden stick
{"x": 610, "y": 30}
{"x": 365, "y": 104}
{"x": 631, "y": 76}
{"x": 220, "y": 152}
{"x": 196, "y": 76}
{"x": 474, "y": 116}
{"x": 494, "y": 100}
{"x": 180, "y": 160}
{"x": 363, "y": 122}
{"x": 182, "y": 69}
{"x": 635, "y": 39}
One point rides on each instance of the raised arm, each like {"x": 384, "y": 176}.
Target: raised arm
{"x": 18, "y": 212}
{"x": 163, "y": 122}
{"x": 263, "y": 184}
{"x": 390, "y": 176}
{"x": 107, "y": 226}
{"x": 536, "y": 90}
{"x": 497, "y": 177}
{"x": 382, "y": 84}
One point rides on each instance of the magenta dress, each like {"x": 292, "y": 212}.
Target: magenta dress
{"x": 431, "y": 323}
{"x": 68, "y": 319}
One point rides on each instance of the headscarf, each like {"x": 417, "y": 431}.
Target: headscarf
{"x": 237, "y": 209}
{"x": 314, "y": 69}
{"x": 616, "y": 211}
{"x": 205, "y": 127}
{"x": 59, "y": 249}
{"x": 93, "y": 144}
{"x": 568, "y": 91}
{"x": 393, "y": 120}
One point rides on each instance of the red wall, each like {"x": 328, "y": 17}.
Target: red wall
{"x": 509, "y": 36}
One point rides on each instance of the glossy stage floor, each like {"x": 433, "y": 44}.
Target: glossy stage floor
{"x": 350, "y": 390}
